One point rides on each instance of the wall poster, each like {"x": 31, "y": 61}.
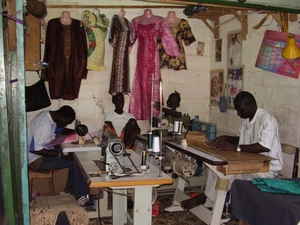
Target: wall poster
{"x": 218, "y": 50}
{"x": 269, "y": 57}
{"x": 234, "y": 49}
{"x": 234, "y": 84}
{"x": 217, "y": 86}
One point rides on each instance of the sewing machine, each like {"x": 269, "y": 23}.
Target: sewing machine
{"x": 209, "y": 129}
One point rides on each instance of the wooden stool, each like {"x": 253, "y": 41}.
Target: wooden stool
{"x": 45, "y": 210}
{"x": 41, "y": 174}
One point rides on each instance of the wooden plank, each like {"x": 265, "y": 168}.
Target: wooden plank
{"x": 216, "y": 28}
{"x": 32, "y": 43}
{"x": 12, "y": 41}
{"x": 244, "y": 24}
{"x": 243, "y": 168}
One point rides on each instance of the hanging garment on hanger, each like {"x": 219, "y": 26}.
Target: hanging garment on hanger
{"x": 183, "y": 35}
{"x": 96, "y": 30}
{"x": 120, "y": 39}
{"x": 66, "y": 54}
{"x": 148, "y": 63}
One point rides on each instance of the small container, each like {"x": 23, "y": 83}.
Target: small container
{"x": 144, "y": 158}
{"x": 156, "y": 209}
{"x": 150, "y": 141}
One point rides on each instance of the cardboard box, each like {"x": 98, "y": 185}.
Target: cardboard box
{"x": 41, "y": 186}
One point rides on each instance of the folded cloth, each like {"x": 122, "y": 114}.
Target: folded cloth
{"x": 277, "y": 186}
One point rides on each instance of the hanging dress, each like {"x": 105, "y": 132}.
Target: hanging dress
{"x": 183, "y": 35}
{"x": 120, "y": 39}
{"x": 66, "y": 53}
{"x": 96, "y": 32}
{"x": 148, "y": 63}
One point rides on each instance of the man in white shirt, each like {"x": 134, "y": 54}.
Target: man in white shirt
{"x": 40, "y": 132}
{"x": 258, "y": 134}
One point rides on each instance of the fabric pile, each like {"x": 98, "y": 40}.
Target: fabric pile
{"x": 277, "y": 186}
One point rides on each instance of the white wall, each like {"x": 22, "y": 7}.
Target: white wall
{"x": 94, "y": 100}
{"x": 276, "y": 93}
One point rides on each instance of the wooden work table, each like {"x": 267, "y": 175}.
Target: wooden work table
{"x": 224, "y": 164}
{"x": 227, "y": 162}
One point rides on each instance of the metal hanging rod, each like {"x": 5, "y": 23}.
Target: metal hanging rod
{"x": 114, "y": 6}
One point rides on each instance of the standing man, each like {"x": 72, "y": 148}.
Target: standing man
{"x": 41, "y": 131}
{"x": 258, "y": 134}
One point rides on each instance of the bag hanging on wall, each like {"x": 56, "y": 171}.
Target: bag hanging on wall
{"x": 36, "y": 96}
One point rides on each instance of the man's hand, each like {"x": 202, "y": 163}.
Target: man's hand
{"x": 223, "y": 143}
{"x": 157, "y": 105}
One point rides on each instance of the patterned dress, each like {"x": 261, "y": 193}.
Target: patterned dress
{"x": 183, "y": 35}
{"x": 96, "y": 32}
{"x": 120, "y": 39}
{"x": 148, "y": 64}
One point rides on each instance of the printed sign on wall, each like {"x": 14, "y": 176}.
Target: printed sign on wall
{"x": 269, "y": 57}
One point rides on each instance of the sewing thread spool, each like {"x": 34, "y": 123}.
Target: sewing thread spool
{"x": 176, "y": 126}
{"x": 144, "y": 158}
{"x": 150, "y": 141}
{"x": 156, "y": 144}
{"x": 179, "y": 128}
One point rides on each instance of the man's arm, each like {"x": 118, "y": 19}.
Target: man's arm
{"x": 49, "y": 153}
{"x": 254, "y": 148}
{"x": 231, "y": 143}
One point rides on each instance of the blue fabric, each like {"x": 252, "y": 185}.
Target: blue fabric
{"x": 250, "y": 204}
{"x": 75, "y": 177}
{"x": 58, "y": 130}
{"x": 277, "y": 186}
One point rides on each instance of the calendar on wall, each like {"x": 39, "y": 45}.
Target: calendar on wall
{"x": 269, "y": 57}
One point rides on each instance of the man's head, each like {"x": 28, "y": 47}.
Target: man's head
{"x": 118, "y": 101}
{"x": 174, "y": 100}
{"x": 245, "y": 105}
{"x": 64, "y": 116}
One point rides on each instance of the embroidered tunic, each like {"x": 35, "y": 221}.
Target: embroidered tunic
{"x": 66, "y": 53}
{"x": 183, "y": 35}
{"x": 148, "y": 64}
{"x": 120, "y": 39}
{"x": 96, "y": 32}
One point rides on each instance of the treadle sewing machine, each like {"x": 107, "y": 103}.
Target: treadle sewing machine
{"x": 224, "y": 164}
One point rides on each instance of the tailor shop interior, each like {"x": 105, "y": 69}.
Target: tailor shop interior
{"x": 139, "y": 77}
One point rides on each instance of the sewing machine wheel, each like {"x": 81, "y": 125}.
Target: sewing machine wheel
{"x": 116, "y": 147}
{"x": 81, "y": 130}
{"x": 183, "y": 166}
{"x": 113, "y": 167}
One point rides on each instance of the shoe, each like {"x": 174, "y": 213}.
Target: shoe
{"x": 84, "y": 201}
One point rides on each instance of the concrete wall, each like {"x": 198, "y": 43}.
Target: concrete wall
{"x": 276, "y": 93}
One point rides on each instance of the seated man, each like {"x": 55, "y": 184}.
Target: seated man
{"x": 41, "y": 131}
{"x": 121, "y": 123}
{"x": 258, "y": 134}
{"x": 173, "y": 102}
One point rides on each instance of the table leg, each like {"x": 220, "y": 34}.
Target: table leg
{"x": 119, "y": 206}
{"x": 142, "y": 213}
